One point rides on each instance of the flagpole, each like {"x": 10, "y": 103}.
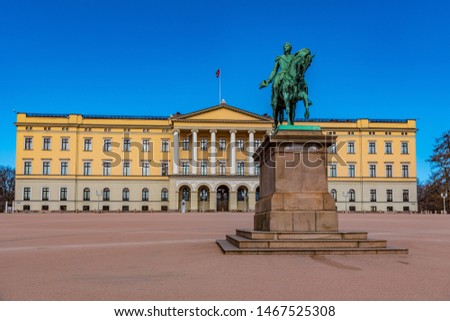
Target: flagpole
{"x": 220, "y": 86}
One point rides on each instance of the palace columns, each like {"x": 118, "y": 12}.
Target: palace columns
{"x": 176, "y": 151}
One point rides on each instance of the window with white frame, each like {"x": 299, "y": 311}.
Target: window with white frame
{"x": 146, "y": 145}
{"x": 332, "y": 149}
{"x": 86, "y": 194}
{"x": 387, "y": 147}
{"x": 333, "y": 170}
{"x": 127, "y": 145}
{"x": 27, "y": 169}
{"x": 126, "y": 168}
{"x": 388, "y": 170}
{"x": 222, "y": 144}
{"x": 372, "y": 170}
{"x": 63, "y": 194}
{"x": 372, "y": 148}
{"x": 145, "y": 195}
{"x": 165, "y": 145}
{"x": 405, "y": 149}
{"x": 106, "y": 168}
{"x": 45, "y": 193}
{"x": 64, "y": 143}
{"x": 106, "y": 194}
{"x": 405, "y": 195}
{"x": 47, "y": 143}
{"x": 203, "y": 144}
{"x": 389, "y": 195}
{"x": 125, "y": 194}
{"x": 46, "y": 168}
{"x": 88, "y": 144}
{"x": 333, "y": 193}
{"x": 373, "y": 195}
{"x": 28, "y": 143}
{"x": 64, "y": 168}
{"x": 257, "y": 143}
{"x": 87, "y": 168}
{"x": 164, "y": 168}
{"x": 240, "y": 144}
{"x": 27, "y": 193}
{"x": 351, "y": 170}
{"x": 185, "y": 143}
{"x": 146, "y": 168}
{"x": 185, "y": 167}
{"x": 241, "y": 168}
{"x": 107, "y": 145}
{"x": 164, "y": 194}
{"x": 351, "y": 195}
{"x": 350, "y": 147}
{"x": 204, "y": 167}
{"x": 405, "y": 170}
{"x": 222, "y": 168}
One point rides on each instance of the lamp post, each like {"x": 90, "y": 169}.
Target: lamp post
{"x": 444, "y": 196}
{"x": 98, "y": 200}
{"x": 345, "y": 194}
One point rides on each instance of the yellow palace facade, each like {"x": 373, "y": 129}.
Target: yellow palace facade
{"x": 200, "y": 161}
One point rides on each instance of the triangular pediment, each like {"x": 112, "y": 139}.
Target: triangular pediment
{"x": 223, "y": 113}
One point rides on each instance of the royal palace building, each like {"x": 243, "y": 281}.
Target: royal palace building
{"x": 200, "y": 161}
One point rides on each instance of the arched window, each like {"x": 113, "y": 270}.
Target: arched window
{"x": 257, "y": 193}
{"x": 125, "y": 194}
{"x": 242, "y": 194}
{"x": 334, "y": 194}
{"x": 106, "y": 194}
{"x": 203, "y": 194}
{"x": 145, "y": 194}
{"x": 186, "y": 193}
{"x": 86, "y": 194}
{"x": 164, "y": 194}
{"x": 351, "y": 195}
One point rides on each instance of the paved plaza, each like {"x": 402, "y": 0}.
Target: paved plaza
{"x": 174, "y": 256}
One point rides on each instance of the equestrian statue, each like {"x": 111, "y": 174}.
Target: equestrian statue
{"x": 289, "y": 85}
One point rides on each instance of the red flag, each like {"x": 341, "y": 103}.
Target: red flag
{"x": 218, "y": 73}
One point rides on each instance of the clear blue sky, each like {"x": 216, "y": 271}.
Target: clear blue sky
{"x": 374, "y": 59}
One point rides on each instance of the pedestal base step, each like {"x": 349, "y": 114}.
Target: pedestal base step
{"x": 304, "y": 243}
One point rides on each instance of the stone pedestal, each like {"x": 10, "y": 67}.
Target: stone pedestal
{"x": 293, "y": 183}
{"x": 296, "y": 214}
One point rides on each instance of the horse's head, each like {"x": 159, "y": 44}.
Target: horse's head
{"x": 302, "y": 61}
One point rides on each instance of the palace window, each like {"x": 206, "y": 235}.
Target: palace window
{"x": 185, "y": 144}
{"x": 388, "y": 148}
{"x": 350, "y": 147}
{"x": 222, "y": 168}
{"x": 28, "y": 143}
{"x": 47, "y": 143}
{"x": 164, "y": 194}
{"x": 240, "y": 144}
{"x": 27, "y": 168}
{"x": 88, "y": 144}
{"x": 164, "y": 145}
{"x": 333, "y": 170}
{"x": 257, "y": 143}
{"x": 64, "y": 168}
{"x": 106, "y": 168}
{"x": 107, "y": 145}
{"x": 145, "y": 194}
{"x": 204, "y": 168}
{"x": 405, "y": 149}
{"x": 106, "y": 194}
{"x": 45, "y": 168}
{"x": 145, "y": 168}
{"x": 125, "y": 194}
{"x": 63, "y": 194}
{"x": 389, "y": 195}
{"x": 241, "y": 168}
{"x": 64, "y": 143}
{"x": 185, "y": 167}
{"x": 203, "y": 144}
{"x": 87, "y": 168}
{"x": 222, "y": 144}
{"x": 405, "y": 195}
{"x": 388, "y": 170}
{"x": 332, "y": 149}
{"x": 146, "y": 145}
{"x": 373, "y": 195}
{"x": 45, "y": 193}
{"x": 86, "y": 194}
{"x": 372, "y": 170}
{"x": 351, "y": 195}
{"x": 164, "y": 168}
{"x": 126, "y": 168}
{"x": 185, "y": 194}
{"x": 351, "y": 170}
{"x": 333, "y": 193}
{"x": 126, "y": 145}
{"x": 405, "y": 171}
{"x": 372, "y": 148}
{"x": 27, "y": 193}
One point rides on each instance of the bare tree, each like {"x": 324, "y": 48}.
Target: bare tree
{"x": 7, "y": 185}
